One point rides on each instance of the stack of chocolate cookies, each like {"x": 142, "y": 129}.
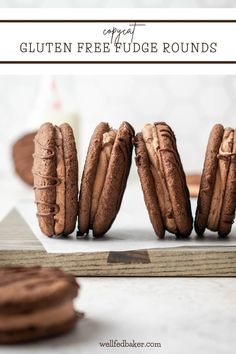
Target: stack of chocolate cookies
{"x": 35, "y": 303}
{"x": 105, "y": 175}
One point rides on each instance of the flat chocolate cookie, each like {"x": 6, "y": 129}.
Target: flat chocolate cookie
{"x": 217, "y": 196}
{"x": 163, "y": 180}
{"x": 35, "y": 303}
{"x": 22, "y": 152}
{"x": 55, "y": 171}
{"x": 104, "y": 177}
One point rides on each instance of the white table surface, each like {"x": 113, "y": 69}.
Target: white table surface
{"x": 186, "y": 315}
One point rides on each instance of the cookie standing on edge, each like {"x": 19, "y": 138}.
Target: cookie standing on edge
{"x": 104, "y": 177}
{"x": 217, "y": 196}
{"x": 163, "y": 180}
{"x": 35, "y": 303}
{"x": 55, "y": 171}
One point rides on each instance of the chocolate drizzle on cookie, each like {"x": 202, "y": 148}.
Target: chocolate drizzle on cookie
{"x": 166, "y": 169}
{"x": 227, "y": 156}
{"x": 45, "y": 148}
{"x": 53, "y": 208}
{"x": 50, "y": 205}
{"x": 55, "y": 171}
{"x": 56, "y": 179}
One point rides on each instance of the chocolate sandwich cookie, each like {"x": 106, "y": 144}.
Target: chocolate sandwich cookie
{"x": 55, "y": 171}
{"x": 22, "y": 152}
{"x": 163, "y": 180}
{"x": 35, "y": 303}
{"x": 217, "y": 196}
{"x": 104, "y": 177}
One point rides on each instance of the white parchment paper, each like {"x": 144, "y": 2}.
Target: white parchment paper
{"x": 131, "y": 230}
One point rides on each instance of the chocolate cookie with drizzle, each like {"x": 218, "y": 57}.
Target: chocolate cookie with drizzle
{"x": 217, "y": 195}
{"x": 163, "y": 180}
{"x": 104, "y": 177}
{"x": 55, "y": 171}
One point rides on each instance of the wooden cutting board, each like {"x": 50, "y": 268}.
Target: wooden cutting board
{"x": 19, "y": 246}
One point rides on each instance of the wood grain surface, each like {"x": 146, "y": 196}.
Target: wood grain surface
{"x": 19, "y": 246}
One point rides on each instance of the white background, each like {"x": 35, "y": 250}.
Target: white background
{"x": 117, "y": 3}
{"x": 190, "y": 104}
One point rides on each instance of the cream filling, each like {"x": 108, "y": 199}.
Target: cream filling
{"x": 60, "y": 189}
{"x": 107, "y": 145}
{"x": 151, "y": 140}
{"x": 221, "y": 180}
{"x": 43, "y": 318}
